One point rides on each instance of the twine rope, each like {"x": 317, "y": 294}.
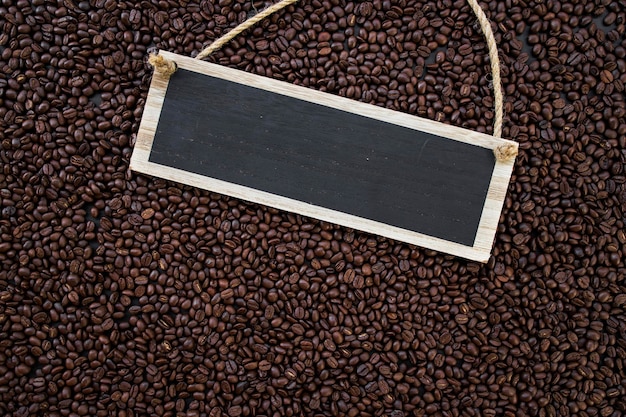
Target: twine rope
{"x": 242, "y": 27}
{"x": 502, "y": 152}
{"x": 494, "y": 59}
{"x": 507, "y": 151}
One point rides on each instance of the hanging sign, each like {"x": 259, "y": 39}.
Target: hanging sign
{"x": 324, "y": 156}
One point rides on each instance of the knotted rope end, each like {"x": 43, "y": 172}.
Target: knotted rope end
{"x": 506, "y": 152}
{"x": 162, "y": 65}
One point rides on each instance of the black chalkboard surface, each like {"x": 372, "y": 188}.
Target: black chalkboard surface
{"x": 325, "y": 155}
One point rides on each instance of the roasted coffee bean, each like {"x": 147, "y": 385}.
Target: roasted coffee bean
{"x": 348, "y": 276}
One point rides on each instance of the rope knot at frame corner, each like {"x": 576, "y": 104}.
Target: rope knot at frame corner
{"x": 162, "y": 65}
{"x": 167, "y": 68}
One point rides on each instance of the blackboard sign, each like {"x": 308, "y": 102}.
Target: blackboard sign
{"x": 323, "y": 156}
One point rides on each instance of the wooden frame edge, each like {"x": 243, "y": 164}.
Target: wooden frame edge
{"x": 149, "y": 122}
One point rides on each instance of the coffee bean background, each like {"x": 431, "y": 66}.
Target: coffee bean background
{"x": 126, "y": 295}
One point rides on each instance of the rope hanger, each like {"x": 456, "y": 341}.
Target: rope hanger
{"x": 502, "y": 153}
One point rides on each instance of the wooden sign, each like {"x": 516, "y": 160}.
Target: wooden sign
{"x": 323, "y": 156}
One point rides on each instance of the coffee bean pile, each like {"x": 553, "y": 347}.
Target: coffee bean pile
{"x": 127, "y": 295}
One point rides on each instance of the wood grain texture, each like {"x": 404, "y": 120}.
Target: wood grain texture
{"x": 496, "y": 186}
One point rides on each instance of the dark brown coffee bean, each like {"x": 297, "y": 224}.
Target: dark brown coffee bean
{"x": 234, "y": 411}
{"x": 348, "y": 276}
{"x": 330, "y": 345}
{"x": 227, "y": 294}
{"x": 265, "y": 365}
